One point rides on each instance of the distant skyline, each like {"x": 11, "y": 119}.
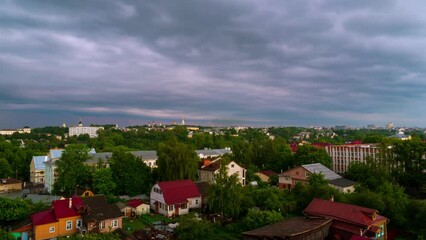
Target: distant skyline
{"x": 222, "y": 62}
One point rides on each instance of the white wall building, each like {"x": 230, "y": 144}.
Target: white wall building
{"x": 80, "y": 129}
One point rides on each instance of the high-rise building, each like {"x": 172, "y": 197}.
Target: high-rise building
{"x": 390, "y": 126}
{"x": 343, "y": 155}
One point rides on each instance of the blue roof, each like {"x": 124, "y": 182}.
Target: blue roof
{"x": 56, "y": 153}
{"x": 38, "y": 162}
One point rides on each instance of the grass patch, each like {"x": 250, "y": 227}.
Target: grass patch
{"x": 132, "y": 225}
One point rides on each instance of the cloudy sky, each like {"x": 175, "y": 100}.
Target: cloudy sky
{"x": 219, "y": 62}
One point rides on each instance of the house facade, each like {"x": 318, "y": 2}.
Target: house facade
{"x": 50, "y": 168}
{"x": 265, "y": 175}
{"x": 349, "y": 221}
{"x": 63, "y": 219}
{"x": 208, "y": 170}
{"x": 288, "y": 179}
{"x": 99, "y": 216}
{"x": 37, "y": 169}
{"x": 174, "y": 198}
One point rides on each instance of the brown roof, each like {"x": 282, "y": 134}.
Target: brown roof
{"x": 9, "y": 181}
{"x": 289, "y": 228}
{"x": 344, "y": 212}
{"x": 268, "y": 172}
{"x": 99, "y": 209}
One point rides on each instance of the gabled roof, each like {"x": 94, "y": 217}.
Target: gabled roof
{"x": 342, "y": 182}
{"x": 178, "y": 191}
{"x": 62, "y": 209}
{"x": 99, "y": 209}
{"x": 38, "y": 162}
{"x": 135, "y": 202}
{"x": 319, "y": 168}
{"x": 344, "y": 212}
{"x": 44, "y": 217}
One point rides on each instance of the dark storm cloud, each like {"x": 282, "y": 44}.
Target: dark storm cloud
{"x": 273, "y": 62}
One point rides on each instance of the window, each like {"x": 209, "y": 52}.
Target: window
{"x": 196, "y": 201}
{"x": 78, "y": 223}
{"x": 68, "y": 225}
{"x": 51, "y": 229}
{"x": 171, "y": 208}
{"x": 184, "y": 206}
{"x": 102, "y": 225}
{"x": 114, "y": 223}
{"x": 232, "y": 165}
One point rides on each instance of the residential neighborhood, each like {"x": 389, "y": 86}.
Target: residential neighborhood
{"x": 251, "y": 191}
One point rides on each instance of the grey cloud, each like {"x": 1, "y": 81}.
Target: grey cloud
{"x": 306, "y": 62}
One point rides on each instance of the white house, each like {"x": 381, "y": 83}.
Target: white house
{"x": 174, "y": 198}
{"x": 210, "y": 168}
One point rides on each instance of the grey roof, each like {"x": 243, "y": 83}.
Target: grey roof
{"x": 319, "y": 168}
{"x": 342, "y": 182}
{"x": 146, "y": 155}
{"x": 38, "y": 162}
{"x": 94, "y": 157}
{"x": 213, "y": 152}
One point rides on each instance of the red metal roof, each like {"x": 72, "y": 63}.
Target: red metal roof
{"x": 44, "y": 217}
{"x": 343, "y": 212}
{"x": 62, "y": 209}
{"x": 178, "y": 191}
{"x": 135, "y": 202}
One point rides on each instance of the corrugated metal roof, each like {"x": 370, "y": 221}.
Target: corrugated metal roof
{"x": 39, "y": 162}
{"x": 213, "y": 152}
{"x": 319, "y": 168}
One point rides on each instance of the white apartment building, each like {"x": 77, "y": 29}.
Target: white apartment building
{"x": 343, "y": 155}
{"x": 80, "y": 129}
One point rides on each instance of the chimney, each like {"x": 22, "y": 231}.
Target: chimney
{"x": 332, "y": 198}
{"x": 70, "y": 203}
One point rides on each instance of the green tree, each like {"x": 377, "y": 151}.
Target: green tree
{"x": 13, "y": 210}
{"x": 131, "y": 175}
{"x": 176, "y": 161}
{"x": 103, "y": 181}
{"x": 4, "y": 235}
{"x": 194, "y": 229}
{"x": 71, "y": 169}
{"x": 226, "y": 196}
{"x": 5, "y": 168}
{"x": 307, "y": 154}
{"x": 257, "y": 218}
{"x": 317, "y": 179}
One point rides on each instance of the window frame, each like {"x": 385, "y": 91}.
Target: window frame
{"x": 52, "y": 229}
{"x": 114, "y": 223}
{"x": 68, "y": 225}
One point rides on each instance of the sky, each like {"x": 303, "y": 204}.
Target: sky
{"x": 219, "y": 62}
